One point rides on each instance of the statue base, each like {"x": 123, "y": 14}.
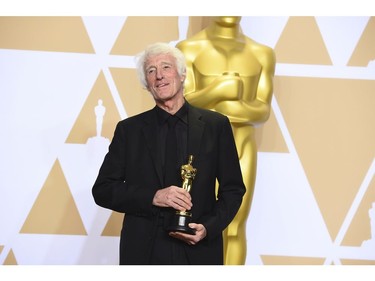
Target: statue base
{"x": 180, "y": 223}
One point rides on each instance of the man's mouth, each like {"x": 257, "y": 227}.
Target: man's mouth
{"x": 161, "y": 85}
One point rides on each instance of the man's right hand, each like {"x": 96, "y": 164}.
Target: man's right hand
{"x": 173, "y": 196}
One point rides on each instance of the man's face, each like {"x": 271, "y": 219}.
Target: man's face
{"x": 163, "y": 80}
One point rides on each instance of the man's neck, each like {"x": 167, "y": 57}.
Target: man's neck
{"x": 171, "y": 106}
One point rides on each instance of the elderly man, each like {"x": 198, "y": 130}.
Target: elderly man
{"x": 137, "y": 179}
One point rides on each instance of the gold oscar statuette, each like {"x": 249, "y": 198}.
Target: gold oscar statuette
{"x": 181, "y": 219}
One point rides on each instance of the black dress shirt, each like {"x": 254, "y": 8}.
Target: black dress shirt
{"x": 181, "y": 133}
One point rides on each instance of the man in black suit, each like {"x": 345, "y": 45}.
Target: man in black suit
{"x": 133, "y": 178}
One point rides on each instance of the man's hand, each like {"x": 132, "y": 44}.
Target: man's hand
{"x": 173, "y": 196}
{"x": 200, "y": 233}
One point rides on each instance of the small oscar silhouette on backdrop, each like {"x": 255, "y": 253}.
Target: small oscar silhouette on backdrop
{"x": 181, "y": 219}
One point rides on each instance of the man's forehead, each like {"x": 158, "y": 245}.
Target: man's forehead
{"x": 160, "y": 59}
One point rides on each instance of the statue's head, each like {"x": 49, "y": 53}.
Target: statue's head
{"x": 188, "y": 172}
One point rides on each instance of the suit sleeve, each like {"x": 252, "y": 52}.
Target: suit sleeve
{"x": 231, "y": 186}
{"x": 112, "y": 189}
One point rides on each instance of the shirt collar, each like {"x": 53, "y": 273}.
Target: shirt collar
{"x": 182, "y": 113}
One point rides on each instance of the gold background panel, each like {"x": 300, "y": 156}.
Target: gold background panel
{"x": 365, "y": 49}
{"x": 285, "y": 260}
{"x": 54, "y": 34}
{"x": 301, "y": 42}
{"x": 84, "y": 127}
{"x": 360, "y": 227}
{"x": 54, "y": 210}
{"x": 114, "y": 225}
{"x": 328, "y": 120}
{"x": 133, "y": 97}
{"x": 132, "y": 37}
{"x": 10, "y": 259}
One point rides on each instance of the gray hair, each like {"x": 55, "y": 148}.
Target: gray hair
{"x": 158, "y": 49}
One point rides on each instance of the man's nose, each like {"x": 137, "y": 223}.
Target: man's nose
{"x": 159, "y": 74}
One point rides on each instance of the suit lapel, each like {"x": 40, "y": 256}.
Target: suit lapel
{"x": 196, "y": 128}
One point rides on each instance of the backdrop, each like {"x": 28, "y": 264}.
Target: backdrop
{"x": 66, "y": 81}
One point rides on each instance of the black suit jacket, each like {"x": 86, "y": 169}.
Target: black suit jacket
{"x": 131, "y": 173}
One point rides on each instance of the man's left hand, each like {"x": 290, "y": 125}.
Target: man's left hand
{"x": 200, "y": 233}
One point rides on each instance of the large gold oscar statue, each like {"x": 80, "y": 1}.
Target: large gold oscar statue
{"x": 232, "y": 74}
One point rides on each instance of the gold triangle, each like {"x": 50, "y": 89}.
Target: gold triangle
{"x": 54, "y": 211}
{"x": 85, "y": 125}
{"x": 197, "y": 24}
{"x": 291, "y": 260}
{"x": 360, "y": 227}
{"x": 10, "y": 259}
{"x": 113, "y": 226}
{"x": 327, "y": 149}
{"x": 269, "y": 137}
{"x": 134, "y": 98}
{"x": 130, "y": 43}
{"x": 365, "y": 49}
{"x": 302, "y": 43}
{"x": 54, "y": 34}
{"x": 357, "y": 262}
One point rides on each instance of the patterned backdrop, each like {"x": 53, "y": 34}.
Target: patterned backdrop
{"x": 314, "y": 200}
